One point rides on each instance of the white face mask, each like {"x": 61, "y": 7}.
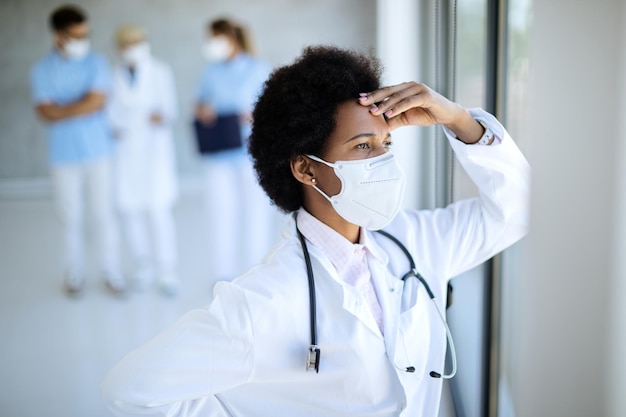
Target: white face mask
{"x": 371, "y": 190}
{"x": 217, "y": 48}
{"x": 136, "y": 54}
{"x": 76, "y": 48}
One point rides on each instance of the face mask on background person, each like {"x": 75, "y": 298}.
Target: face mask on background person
{"x": 217, "y": 48}
{"x": 136, "y": 54}
{"x": 76, "y": 48}
{"x": 371, "y": 190}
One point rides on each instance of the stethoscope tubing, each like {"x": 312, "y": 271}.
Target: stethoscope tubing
{"x": 313, "y": 358}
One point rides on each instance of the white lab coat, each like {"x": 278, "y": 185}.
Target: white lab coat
{"x": 244, "y": 354}
{"x": 145, "y": 163}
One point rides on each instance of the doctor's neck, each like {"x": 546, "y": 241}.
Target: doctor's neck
{"x": 327, "y": 215}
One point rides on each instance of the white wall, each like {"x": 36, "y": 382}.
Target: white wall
{"x": 280, "y": 29}
{"x": 569, "y": 362}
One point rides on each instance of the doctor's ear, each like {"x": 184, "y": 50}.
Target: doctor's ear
{"x": 303, "y": 170}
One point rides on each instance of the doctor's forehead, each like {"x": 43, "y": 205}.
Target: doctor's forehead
{"x": 352, "y": 119}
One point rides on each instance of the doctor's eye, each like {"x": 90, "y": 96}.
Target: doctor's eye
{"x": 363, "y": 145}
{"x": 387, "y": 141}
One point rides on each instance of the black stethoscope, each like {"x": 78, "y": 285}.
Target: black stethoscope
{"x": 314, "y": 353}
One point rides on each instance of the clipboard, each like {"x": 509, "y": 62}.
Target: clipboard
{"x": 223, "y": 134}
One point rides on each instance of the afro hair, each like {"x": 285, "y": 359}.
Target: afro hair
{"x": 295, "y": 114}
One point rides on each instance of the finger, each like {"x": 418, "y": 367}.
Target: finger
{"x": 380, "y": 95}
{"x": 396, "y": 122}
{"x": 402, "y": 104}
{"x": 418, "y": 117}
{"x": 384, "y": 94}
{"x": 412, "y": 95}
{"x": 413, "y": 100}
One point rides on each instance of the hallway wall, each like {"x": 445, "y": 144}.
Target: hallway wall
{"x": 280, "y": 28}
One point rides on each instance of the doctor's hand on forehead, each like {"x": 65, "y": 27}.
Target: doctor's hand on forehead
{"x": 415, "y": 104}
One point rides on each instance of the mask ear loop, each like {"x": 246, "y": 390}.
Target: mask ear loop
{"x": 322, "y": 193}
{"x": 315, "y": 158}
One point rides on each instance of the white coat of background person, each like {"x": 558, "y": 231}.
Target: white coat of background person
{"x": 240, "y": 218}
{"x": 142, "y": 110}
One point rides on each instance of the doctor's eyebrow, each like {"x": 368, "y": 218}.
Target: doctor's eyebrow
{"x": 366, "y": 135}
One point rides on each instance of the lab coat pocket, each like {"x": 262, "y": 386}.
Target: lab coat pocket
{"x": 413, "y": 340}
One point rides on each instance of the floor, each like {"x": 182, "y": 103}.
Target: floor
{"x": 54, "y": 351}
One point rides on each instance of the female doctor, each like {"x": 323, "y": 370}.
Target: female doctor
{"x": 142, "y": 111}
{"x": 375, "y": 341}
{"x": 239, "y": 215}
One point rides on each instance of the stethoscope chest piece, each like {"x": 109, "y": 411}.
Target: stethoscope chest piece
{"x": 313, "y": 358}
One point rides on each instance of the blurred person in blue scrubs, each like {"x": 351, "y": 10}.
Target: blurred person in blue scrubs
{"x": 70, "y": 85}
{"x": 239, "y": 214}
{"x": 142, "y": 110}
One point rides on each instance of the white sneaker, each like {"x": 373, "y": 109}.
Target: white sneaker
{"x": 73, "y": 284}
{"x": 143, "y": 278}
{"x": 115, "y": 283}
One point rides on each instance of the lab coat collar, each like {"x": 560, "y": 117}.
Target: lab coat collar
{"x": 388, "y": 287}
{"x": 368, "y": 241}
{"x": 323, "y": 268}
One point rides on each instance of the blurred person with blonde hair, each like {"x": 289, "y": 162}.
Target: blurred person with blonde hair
{"x": 70, "y": 87}
{"x": 239, "y": 214}
{"x": 142, "y": 110}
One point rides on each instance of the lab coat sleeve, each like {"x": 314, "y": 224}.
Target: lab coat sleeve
{"x": 168, "y": 98}
{"x": 206, "y": 352}
{"x": 477, "y": 229}
{"x": 115, "y": 110}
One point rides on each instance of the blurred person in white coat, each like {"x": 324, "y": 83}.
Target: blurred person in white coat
{"x": 142, "y": 110}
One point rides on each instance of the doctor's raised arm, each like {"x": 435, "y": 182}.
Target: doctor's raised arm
{"x": 502, "y": 209}
{"x": 346, "y": 314}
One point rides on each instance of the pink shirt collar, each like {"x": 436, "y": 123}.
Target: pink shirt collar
{"x": 337, "y": 248}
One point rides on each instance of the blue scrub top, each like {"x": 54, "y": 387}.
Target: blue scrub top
{"x": 59, "y": 80}
{"x": 232, "y": 87}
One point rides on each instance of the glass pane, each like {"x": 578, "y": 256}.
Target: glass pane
{"x": 470, "y": 73}
{"x": 519, "y": 21}
{"x": 465, "y": 314}
{"x": 517, "y": 71}
{"x": 471, "y": 52}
